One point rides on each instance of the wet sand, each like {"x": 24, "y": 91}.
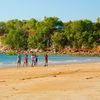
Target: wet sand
{"x": 59, "y": 82}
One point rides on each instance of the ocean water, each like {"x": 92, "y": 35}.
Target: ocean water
{"x": 11, "y": 60}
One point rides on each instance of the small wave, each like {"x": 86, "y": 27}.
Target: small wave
{"x": 3, "y": 65}
{"x": 73, "y": 61}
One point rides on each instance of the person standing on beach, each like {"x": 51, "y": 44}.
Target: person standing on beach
{"x": 25, "y": 60}
{"x": 46, "y": 59}
{"x": 36, "y": 59}
{"x": 33, "y": 58}
{"x": 19, "y": 60}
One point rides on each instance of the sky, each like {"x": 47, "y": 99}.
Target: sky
{"x": 65, "y": 10}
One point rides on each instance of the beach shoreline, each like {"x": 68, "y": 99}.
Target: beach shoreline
{"x": 11, "y": 60}
{"x": 55, "y": 82}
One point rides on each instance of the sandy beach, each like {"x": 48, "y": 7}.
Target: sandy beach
{"x": 59, "y": 82}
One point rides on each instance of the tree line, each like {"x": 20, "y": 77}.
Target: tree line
{"x": 50, "y": 32}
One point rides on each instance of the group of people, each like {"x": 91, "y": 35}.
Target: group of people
{"x": 34, "y": 59}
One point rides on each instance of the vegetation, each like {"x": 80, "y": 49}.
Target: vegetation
{"x": 50, "y": 32}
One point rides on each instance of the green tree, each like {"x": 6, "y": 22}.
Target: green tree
{"x": 16, "y": 39}
{"x": 2, "y": 28}
{"x": 32, "y": 42}
{"x": 98, "y": 20}
{"x": 59, "y": 40}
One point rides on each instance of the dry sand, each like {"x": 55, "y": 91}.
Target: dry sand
{"x": 60, "y": 82}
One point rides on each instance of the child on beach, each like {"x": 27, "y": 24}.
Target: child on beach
{"x": 46, "y": 60}
{"x": 36, "y": 59}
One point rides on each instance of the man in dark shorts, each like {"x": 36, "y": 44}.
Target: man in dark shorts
{"x": 19, "y": 60}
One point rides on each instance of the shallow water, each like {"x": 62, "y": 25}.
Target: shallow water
{"x": 10, "y": 60}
